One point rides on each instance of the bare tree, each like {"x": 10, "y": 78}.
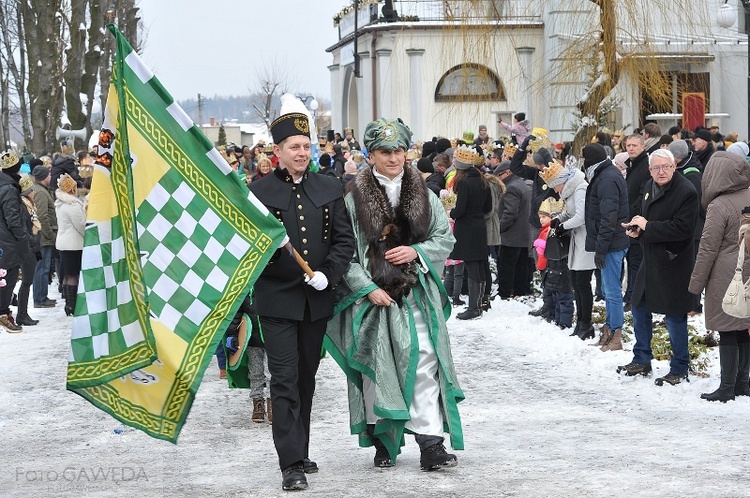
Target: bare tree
{"x": 272, "y": 81}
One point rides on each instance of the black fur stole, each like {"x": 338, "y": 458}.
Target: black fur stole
{"x": 385, "y": 228}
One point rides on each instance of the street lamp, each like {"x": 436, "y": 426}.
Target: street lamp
{"x": 726, "y": 18}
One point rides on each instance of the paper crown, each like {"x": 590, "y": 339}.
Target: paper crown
{"x": 25, "y": 183}
{"x": 66, "y": 183}
{"x": 550, "y": 172}
{"x": 468, "y": 136}
{"x": 9, "y": 158}
{"x": 510, "y": 149}
{"x": 551, "y": 206}
{"x": 541, "y": 141}
{"x": 348, "y": 130}
{"x": 465, "y": 155}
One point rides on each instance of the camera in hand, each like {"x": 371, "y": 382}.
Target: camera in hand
{"x": 632, "y": 228}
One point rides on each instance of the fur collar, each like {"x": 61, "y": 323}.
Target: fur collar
{"x": 66, "y": 198}
{"x": 374, "y": 211}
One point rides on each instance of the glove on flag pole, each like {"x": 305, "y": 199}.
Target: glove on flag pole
{"x": 173, "y": 243}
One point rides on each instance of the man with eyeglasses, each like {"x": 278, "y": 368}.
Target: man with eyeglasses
{"x": 665, "y": 231}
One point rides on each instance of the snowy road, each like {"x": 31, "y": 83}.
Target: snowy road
{"x": 545, "y": 415}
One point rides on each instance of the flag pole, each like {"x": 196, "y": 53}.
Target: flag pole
{"x": 303, "y": 264}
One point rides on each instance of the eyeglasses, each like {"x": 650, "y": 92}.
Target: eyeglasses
{"x": 661, "y": 168}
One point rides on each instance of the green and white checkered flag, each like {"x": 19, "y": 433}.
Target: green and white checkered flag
{"x": 174, "y": 241}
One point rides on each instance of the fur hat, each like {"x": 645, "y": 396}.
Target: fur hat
{"x": 442, "y": 145}
{"x": 428, "y": 148}
{"x": 465, "y": 157}
{"x": 593, "y": 154}
{"x": 26, "y": 184}
{"x": 66, "y": 183}
{"x": 521, "y": 116}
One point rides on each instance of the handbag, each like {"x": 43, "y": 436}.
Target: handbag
{"x": 736, "y": 300}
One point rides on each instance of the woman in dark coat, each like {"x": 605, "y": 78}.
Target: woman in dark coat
{"x": 473, "y": 200}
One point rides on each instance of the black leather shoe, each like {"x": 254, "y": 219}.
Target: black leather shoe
{"x": 309, "y": 466}
{"x": 435, "y": 457}
{"x": 24, "y": 319}
{"x": 293, "y": 478}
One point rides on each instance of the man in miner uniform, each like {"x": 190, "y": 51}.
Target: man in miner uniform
{"x": 293, "y": 309}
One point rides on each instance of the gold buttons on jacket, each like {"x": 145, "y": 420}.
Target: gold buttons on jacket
{"x": 302, "y": 218}
{"x": 304, "y": 241}
{"x": 304, "y": 252}
{"x": 299, "y": 206}
{"x": 304, "y": 229}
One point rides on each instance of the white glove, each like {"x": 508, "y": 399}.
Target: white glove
{"x": 318, "y": 282}
{"x": 283, "y": 242}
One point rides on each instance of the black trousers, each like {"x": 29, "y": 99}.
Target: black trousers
{"x": 584, "y": 297}
{"x": 293, "y": 351}
{"x": 512, "y": 271}
{"x": 6, "y": 293}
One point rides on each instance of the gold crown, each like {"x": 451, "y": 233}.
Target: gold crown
{"x": 25, "y": 183}
{"x": 551, "y": 171}
{"x": 510, "y": 149}
{"x": 541, "y": 141}
{"x": 465, "y": 155}
{"x": 550, "y": 206}
{"x": 66, "y": 183}
{"x": 9, "y": 158}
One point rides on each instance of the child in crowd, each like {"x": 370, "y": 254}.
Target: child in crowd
{"x": 557, "y": 288}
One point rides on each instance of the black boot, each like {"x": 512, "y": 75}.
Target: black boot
{"x": 484, "y": 294}
{"x": 577, "y": 329}
{"x": 382, "y": 457}
{"x": 728, "y": 359}
{"x": 586, "y": 331}
{"x": 741, "y": 386}
{"x": 71, "y": 293}
{"x": 22, "y": 317}
{"x": 475, "y": 296}
{"x": 435, "y": 457}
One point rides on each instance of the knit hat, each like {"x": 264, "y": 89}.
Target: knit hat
{"x": 679, "y": 149}
{"x": 468, "y": 136}
{"x": 324, "y": 160}
{"x": 542, "y": 156}
{"x": 665, "y": 140}
{"x": 40, "y": 173}
{"x": 428, "y": 148}
{"x": 66, "y": 183}
{"x": 674, "y": 130}
{"x": 555, "y": 174}
{"x": 425, "y": 165}
{"x": 387, "y": 134}
{"x": 520, "y": 116}
{"x": 35, "y": 162}
{"x": 26, "y": 184}
{"x": 739, "y": 148}
{"x": 593, "y": 154}
{"x": 465, "y": 157}
{"x": 350, "y": 167}
{"x": 703, "y": 134}
{"x": 442, "y": 144}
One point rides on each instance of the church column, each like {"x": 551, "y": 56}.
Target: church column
{"x": 365, "y": 97}
{"x": 524, "y": 57}
{"x": 415, "y": 91}
{"x": 336, "y": 98}
{"x": 384, "y": 82}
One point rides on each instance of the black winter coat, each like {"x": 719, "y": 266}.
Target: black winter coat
{"x": 435, "y": 182}
{"x": 63, "y": 164}
{"x": 606, "y": 209}
{"x": 637, "y": 178}
{"x": 514, "y": 213}
{"x": 318, "y": 227}
{"x": 691, "y": 168}
{"x": 704, "y": 155}
{"x": 470, "y": 230}
{"x": 667, "y": 243}
{"x": 13, "y": 239}
{"x": 539, "y": 189}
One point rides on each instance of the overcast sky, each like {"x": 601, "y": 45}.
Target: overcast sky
{"x": 214, "y": 47}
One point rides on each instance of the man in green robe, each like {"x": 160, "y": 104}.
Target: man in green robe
{"x": 388, "y": 332}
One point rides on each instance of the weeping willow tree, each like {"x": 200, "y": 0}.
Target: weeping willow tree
{"x": 585, "y": 53}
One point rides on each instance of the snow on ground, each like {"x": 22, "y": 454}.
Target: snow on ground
{"x": 545, "y": 416}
